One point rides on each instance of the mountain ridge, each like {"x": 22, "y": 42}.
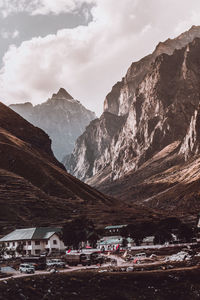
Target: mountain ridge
{"x": 159, "y": 101}
{"x": 35, "y": 188}
{"x": 62, "y": 117}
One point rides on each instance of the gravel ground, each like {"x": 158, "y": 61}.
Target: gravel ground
{"x": 91, "y": 285}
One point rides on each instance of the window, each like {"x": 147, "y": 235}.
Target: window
{"x": 37, "y": 243}
{"x": 8, "y": 244}
{"x": 29, "y": 252}
{"x": 46, "y": 242}
{"x": 37, "y": 251}
{"x": 55, "y": 242}
{"x": 13, "y": 243}
{"x": 24, "y": 243}
{"x": 29, "y": 242}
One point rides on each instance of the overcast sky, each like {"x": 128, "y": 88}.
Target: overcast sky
{"x": 83, "y": 46}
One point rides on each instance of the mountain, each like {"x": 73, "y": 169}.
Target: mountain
{"x": 146, "y": 156}
{"x": 63, "y": 118}
{"x": 36, "y": 190}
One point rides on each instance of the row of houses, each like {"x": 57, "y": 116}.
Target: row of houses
{"x": 113, "y": 238}
{"x": 34, "y": 241}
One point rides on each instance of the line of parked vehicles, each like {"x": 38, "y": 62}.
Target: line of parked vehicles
{"x": 30, "y": 264}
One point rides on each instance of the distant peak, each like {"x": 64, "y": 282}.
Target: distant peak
{"x": 194, "y": 27}
{"x": 62, "y": 93}
{"x": 27, "y": 104}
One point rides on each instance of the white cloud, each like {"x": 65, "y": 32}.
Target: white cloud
{"x": 88, "y": 60}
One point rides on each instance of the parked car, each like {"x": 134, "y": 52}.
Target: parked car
{"x": 85, "y": 258}
{"x": 96, "y": 258}
{"x": 76, "y": 258}
{"x": 58, "y": 263}
{"x": 140, "y": 255}
{"x": 27, "y": 268}
{"x": 38, "y": 262}
{"x": 129, "y": 269}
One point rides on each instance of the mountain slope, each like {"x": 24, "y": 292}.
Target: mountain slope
{"x": 122, "y": 102}
{"x": 159, "y": 103}
{"x": 63, "y": 118}
{"x": 36, "y": 190}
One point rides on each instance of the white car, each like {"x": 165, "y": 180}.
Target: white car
{"x": 27, "y": 268}
{"x": 55, "y": 263}
{"x": 140, "y": 256}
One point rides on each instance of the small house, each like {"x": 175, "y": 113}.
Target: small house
{"x": 148, "y": 241}
{"x": 114, "y": 230}
{"x": 33, "y": 241}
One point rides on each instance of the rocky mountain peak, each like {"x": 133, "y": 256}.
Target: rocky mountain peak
{"x": 63, "y": 118}
{"x": 119, "y": 100}
{"x": 27, "y": 104}
{"x": 62, "y": 94}
{"x": 157, "y": 100}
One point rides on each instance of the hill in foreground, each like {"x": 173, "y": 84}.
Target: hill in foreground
{"x": 35, "y": 188}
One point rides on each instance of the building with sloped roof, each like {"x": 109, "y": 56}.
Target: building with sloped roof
{"x": 114, "y": 230}
{"x": 113, "y": 238}
{"x": 34, "y": 241}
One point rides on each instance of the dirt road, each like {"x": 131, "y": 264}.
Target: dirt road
{"x": 69, "y": 269}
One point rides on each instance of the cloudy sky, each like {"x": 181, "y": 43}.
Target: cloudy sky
{"x": 84, "y": 46}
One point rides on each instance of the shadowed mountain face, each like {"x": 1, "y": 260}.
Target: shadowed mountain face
{"x": 36, "y": 190}
{"x": 156, "y": 140}
{"x": 63, "y": 118}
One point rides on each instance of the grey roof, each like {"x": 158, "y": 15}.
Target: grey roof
{"x": 111, "y": 241}
{"x": 115, "y": 226}
{"x": 43, "y": 233}
{"x": 36, "y": 233}
{"x": 149, "y": 239}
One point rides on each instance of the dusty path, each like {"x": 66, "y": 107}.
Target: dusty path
{"x": 70, "y": 269}
{"x": 120, "y": 263}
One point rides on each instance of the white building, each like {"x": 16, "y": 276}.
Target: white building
{"x": 114, "y": 230}
{"x": 34, "y": 240}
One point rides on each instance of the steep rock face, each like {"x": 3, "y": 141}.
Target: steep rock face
{"x": 121, "y": 97}
{"x": 90, "y": 157}
{"x": 61, "y": 117}
{"x": 157, "y": 99}
{"x": 163, "y": 129}
{"x": 190, "y": 145}
{"x": 161, "y": 111}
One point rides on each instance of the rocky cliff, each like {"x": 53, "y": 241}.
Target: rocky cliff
{"x": 92, "y": 150}
{"x": 63, "y": 118}
{"x": 147, "y": 99}
{"x": 158, "y": 101}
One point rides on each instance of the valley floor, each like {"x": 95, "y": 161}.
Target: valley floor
{"x": 179, "y": 283}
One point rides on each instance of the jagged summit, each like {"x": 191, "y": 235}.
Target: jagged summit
{"x": 63, "y": 118}
{"x": 62, "y": 94}
{"x": 179, "y": 42}
{"x": 148, "y": 156}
